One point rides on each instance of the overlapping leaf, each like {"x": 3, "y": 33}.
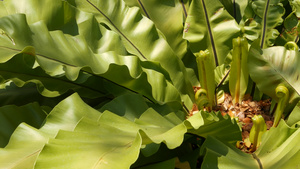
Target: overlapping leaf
{"x": 132, "y": 27}
{"x": 93, "y": 144}
{"x": 75, "y": 133}
{"x": 59, "y": 15}
{"x": 68, "y": 55}
{"x": 27, "y": 142}
{"x": 279, "y": 149}
{"x": 280, "y": 65}
{"x": 210, "y": 26}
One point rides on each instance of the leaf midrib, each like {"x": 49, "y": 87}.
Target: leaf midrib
{"x": 144, "y": 9}
{"x": 63, "y": 63}
{"x": 117, "y": 29}
{"x": 264, "y": 24}
{"x": 184, "y": 8}
{"x": 51, "y": 78}
{"x": 210, "y": 34}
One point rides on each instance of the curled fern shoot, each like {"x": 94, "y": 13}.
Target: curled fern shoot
{"x": 283, "y": 95}
{"x": 201, "y": 99}
{"x": 292, "y": 46}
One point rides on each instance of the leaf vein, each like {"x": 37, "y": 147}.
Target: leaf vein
{"x": 118, "y": 30}
{"x": 210, "y": 34}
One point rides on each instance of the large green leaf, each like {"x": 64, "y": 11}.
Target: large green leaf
{"x": 75, "y": 133}
{"x": 65, "y": 52}
{"x": 279, "y": 149}
{"x": 167, "y": 122}
{"x": 67, "y": 129}
{"x": 132, "y": 27}
{"x": 73, "y": 124}
{"x": 93, "y": 144}
{"x": 210, "y": 26}
{"x": 29, "y": 141}
{"x": 280, "y": 65}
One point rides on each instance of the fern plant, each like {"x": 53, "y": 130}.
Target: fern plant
{"x": 109, "y": 83}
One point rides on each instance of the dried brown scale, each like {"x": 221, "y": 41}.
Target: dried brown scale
{"x": 244, "y": 111}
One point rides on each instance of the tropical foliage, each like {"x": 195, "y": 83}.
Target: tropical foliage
{"x": 109, "y": 83}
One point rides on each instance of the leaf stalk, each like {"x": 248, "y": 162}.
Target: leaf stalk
{"x": 283, "y": 94}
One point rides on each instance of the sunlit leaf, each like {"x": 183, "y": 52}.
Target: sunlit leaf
{"x": 214, "y": 30}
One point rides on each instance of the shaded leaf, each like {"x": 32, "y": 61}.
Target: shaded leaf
{"x": 11, "y": 116}
{"x": 169, "y": 164}
{"x": 13, "y": 95}
{"x": 214, "y": 124}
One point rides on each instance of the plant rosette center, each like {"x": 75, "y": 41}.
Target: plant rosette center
{"x": 243, "y": 113}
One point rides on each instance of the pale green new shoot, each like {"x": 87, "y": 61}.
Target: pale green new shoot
{"x": 283, "y": 96}
{"x": 258, "y": 129}
{"x": 206, "y": 76}
{"x": 238, "y": 79}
